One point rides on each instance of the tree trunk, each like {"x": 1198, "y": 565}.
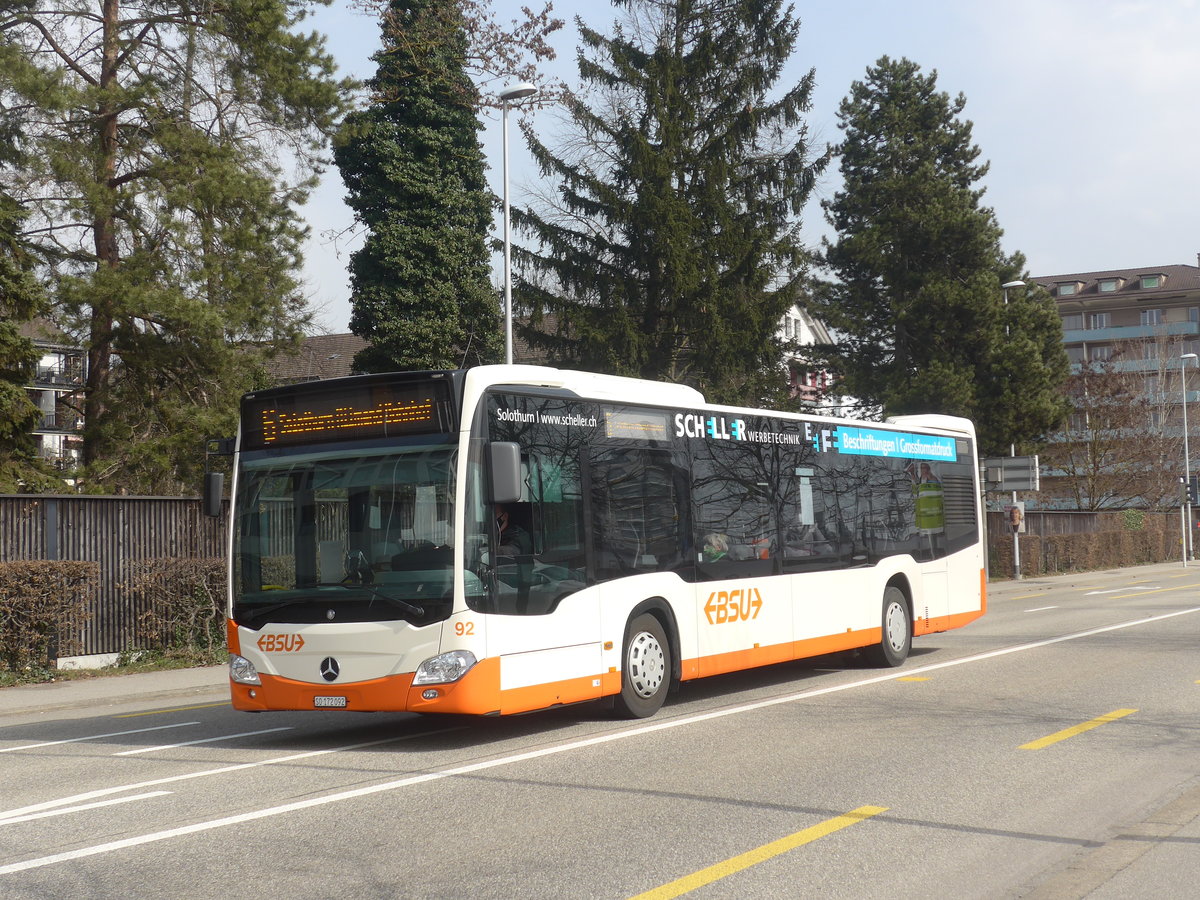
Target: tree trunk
{"x": 104, "y": 237}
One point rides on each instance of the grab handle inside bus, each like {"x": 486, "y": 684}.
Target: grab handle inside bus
{"x": 503, "y": 462}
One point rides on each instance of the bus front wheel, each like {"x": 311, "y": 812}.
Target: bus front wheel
{"x": 896, "y": 640}
{"x": 645, "y": 668}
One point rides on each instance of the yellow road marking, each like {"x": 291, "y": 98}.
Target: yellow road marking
{"x": 913, "y": 678}
{"x": 1139, "y": 594}
{"x": 761, "y": 854}
{"x": 155, "y": 712}
{"x": 1077, "y": 729}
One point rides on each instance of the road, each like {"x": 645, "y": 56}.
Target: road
{"x": 1046, "y": 751}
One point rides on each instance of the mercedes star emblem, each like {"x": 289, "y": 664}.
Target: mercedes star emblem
{"x": 329, "y": 668}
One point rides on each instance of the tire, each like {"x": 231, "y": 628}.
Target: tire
{"x": 645, "y": 668}
{"x": 896, "y": 639}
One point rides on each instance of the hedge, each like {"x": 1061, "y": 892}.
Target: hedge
{"x": 37, "y": 600}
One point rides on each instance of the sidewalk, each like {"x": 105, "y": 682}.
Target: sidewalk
{"x": 209, "y": 683}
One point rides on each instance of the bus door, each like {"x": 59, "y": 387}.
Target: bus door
{"x": 545, "y": 624}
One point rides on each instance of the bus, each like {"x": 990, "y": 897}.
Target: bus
{"x": 513, "y": 538}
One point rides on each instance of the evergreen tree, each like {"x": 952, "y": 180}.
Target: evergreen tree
{"x": 917, "y": 308}
{"x": 153, "y": 165}
{"x": 673, "y": 251}
{"x": 20, "y": 298}
{"x": 414, "y": 170}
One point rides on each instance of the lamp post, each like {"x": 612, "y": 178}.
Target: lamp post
{"x": 1012, "y": 451}
{"x": 516, "y": 92}
{"x": 1187, "y": 460}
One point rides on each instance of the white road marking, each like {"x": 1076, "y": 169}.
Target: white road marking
{"x": 71, "y": 809}
{"x": 624, "y": 734}
{"x": 94, "y": 737}
{"x": 208, "y": 740}
{"x": 106, "y": 792}
{"x": 1041, "y": 609}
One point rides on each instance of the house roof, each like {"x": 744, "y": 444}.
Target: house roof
{"x": 320, "y": 356}
{"x": 1176, "y": 280}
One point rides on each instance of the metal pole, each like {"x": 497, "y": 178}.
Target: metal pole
{"x": 1187, "y": 458}
{"x": 508, "y": 335}
{"x": 1013, "y": 452}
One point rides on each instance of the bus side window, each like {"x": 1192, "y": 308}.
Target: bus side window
{"x": 735, "y": 524}
{"x": 638, "y": 513}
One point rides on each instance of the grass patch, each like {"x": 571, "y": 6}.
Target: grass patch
{"x": 127, "y": 664}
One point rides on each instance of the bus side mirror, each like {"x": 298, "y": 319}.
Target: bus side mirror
{"x": 214, "y": 491}
{"x": 503, "y": 462}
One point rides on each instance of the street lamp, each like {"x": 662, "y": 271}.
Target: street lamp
{"x": 516, "y": 92}
{"x": 1012, "y": 450}
{"x": 1187, "y": 459}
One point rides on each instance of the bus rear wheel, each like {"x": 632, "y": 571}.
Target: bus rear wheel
{"x": 645, "y": 668}
{"x": 896, "y": 640}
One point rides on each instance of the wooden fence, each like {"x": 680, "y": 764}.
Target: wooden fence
{"x": 114, "y": 532}
{"x": 1056, "y": 542}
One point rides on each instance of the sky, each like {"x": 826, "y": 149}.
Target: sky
{"x": 1087, "y": 110}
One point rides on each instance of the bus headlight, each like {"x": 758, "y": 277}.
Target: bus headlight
{"x": 445, "y": 668}
{"x": 242, "y": 671}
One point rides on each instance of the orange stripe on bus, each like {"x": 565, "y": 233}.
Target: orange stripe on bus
{"x": 231, "y": 637}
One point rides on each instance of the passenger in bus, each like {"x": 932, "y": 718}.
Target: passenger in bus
{"x": 716, "y": 546}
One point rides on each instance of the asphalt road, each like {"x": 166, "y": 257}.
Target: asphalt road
{"x": 1049, "y": 750}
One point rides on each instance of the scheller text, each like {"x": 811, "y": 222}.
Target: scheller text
{"x": 716, "y": 428}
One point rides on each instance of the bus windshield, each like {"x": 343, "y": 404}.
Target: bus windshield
{"x": 345, "y": 535}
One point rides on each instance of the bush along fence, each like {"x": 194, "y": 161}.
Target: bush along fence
{"x": 152, "y": 576}
{"x": 1059, "y": 542}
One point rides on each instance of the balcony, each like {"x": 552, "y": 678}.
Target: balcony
{"x": 1129, "y": 333}
{"x": 60, "y": 423}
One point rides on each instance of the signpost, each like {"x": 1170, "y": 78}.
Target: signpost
{"x": 1013, "y": 473}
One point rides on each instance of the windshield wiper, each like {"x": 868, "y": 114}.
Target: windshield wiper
{"x": 410, "y": 608}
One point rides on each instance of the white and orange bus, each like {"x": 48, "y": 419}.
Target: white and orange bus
{"x": 512, "y": 538}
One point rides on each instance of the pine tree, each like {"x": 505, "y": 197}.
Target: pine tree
{"x": 917, "y": 307}
{"x": 414, "y": 170}
{"x": 20, "y": 299}
{"x": 673, "y": 251}
{"x": 154, "y": 166}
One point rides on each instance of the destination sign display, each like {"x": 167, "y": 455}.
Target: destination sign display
{"x": 346, "y": 412}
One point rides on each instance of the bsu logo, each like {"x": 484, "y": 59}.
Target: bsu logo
{"x": 741, "y": 605}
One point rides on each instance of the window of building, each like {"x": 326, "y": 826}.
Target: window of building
{"x": 1075, "y": 354}
{"x": 1066, "y": 288}
{"x": 1095, "y": 321}
{"x": 1108, "y": 285}
{"x": 1152, "y": 316}
{"x": 1073, "y": 322}
{"x": 1194, "y": 314}
{"x": 1100, "y": 353}
{"x": 1151, "y": 281}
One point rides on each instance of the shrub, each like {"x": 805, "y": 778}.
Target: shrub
{"x": 182, "y": 602}
{"x": 38, "y": 601}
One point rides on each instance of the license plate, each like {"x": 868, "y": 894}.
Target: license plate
{"x": 329, "y": 702}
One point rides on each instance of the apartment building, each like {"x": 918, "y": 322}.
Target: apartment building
{"x": 57, "y": 391}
